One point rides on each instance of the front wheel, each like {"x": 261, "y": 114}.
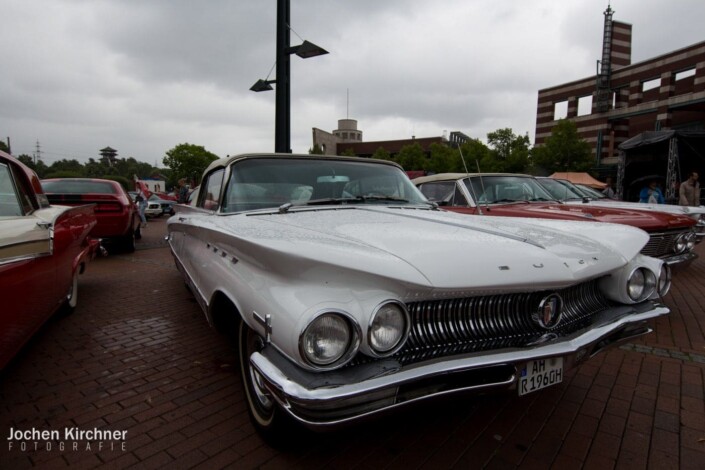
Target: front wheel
{"x": 270, "y": 421}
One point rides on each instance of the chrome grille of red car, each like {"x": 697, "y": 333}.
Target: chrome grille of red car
{"x": 661, "y": 243}
{"x": 456, "y": 326}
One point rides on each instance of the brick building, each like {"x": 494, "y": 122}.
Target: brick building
{"x": 349, "y": 138}
{"x": 623, "y": 99}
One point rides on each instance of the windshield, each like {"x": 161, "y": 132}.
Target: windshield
{"x": 494, "y": 189}
{"x": 86, "y": 186}
{"x": 591, "y": 192}
{"x": 560, "y": 190}
{"x": 262, "y": 183}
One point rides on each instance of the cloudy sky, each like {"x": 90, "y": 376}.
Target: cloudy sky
{"x": 142, "y": 76}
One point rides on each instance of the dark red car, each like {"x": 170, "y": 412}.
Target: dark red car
{"x": 118, "y": 218}
{"x": 672, "y": 236}
{"x": 43, "y": 249}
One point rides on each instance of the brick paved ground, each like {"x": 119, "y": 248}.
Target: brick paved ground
{"x": 138, "y": 356}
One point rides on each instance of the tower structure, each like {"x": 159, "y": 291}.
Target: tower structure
{"x": 604, "y": 95}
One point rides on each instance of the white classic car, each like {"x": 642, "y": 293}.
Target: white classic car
{"x": 351, "y": 294}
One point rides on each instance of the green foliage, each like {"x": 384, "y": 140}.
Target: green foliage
{"x": 510, "y": 150}
{"x": 564, "y": 150}
{"x": 316, "y": 150}
{"x": 412, "y": 158}
{"x": 126, "y": 183}
{"x": 349, "y": 152}
{"x": 39, "y": 168}
{"x": 443, "y": 159}
{"x": 382, "y": 154}
{"x": 477, "y": 154}
{"x": 188, "y": 161}
{"x": 3, "y": 146}
{"x": 64, "y": 174}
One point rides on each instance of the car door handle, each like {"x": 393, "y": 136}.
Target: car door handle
{"x": 182, "y": 219}
{"x": 44, "y": 225}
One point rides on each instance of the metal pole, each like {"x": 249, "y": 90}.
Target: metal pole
{"x": 282, "y": 125}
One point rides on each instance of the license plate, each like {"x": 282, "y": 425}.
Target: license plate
{"x": 540, "y": 374}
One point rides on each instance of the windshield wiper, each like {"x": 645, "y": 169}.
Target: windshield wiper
{"x": 339, "y": 200}
{"x": 510, "y": 200}
{"x": 381, "y": 198}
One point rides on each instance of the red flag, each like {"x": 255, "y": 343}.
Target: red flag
{"x": 145, "y": 189}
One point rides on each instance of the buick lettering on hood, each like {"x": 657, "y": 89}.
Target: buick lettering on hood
{"x": 350, "y": 294}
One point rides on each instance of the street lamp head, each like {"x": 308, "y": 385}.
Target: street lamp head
{"x": 309, "y": 49}
{"x": 262, "y": 85}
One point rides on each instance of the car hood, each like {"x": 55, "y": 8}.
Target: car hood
{"x": 641, "y": 206}
{"x": 643, "y": 219}
{"x": 427, "y": 248}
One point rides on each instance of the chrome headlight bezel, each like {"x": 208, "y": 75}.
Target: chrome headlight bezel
{"x": 690, "y": 241}
{"x": 680, "y": 244}
{"x": 403, "y": 331}
{"x": 664, "y": 280}
{"x": 348, "y": 350}
{"x": 647, "y": 280}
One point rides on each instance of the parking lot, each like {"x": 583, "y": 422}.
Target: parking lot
{"x": 138, "y": 356}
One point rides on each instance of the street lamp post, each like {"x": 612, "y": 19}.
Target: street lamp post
{"x": 282, "y": 122}
{"x": 282, "y": 119}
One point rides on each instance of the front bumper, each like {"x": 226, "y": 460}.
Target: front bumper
{"x": 329, "y": 399}
{"x": 681, "y": 260}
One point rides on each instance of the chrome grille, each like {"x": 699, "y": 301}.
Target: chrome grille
{"x": 661, "y": 243}
{"x": 455, "y": 326}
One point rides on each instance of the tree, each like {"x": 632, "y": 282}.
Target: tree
{"x": 316, "y": 150}
{"x": 65, "y": 168}
{"x": 443, "y": 158}
{"x": 476, "y": 154}
{"x": 512, "y": 151}
{"x": 412, "y": 158}
{"x": 349, "y": 152}
{"x": 39, "y": 168}
{"x": 563, "y": 150}
{"x": 188, "y": 161}
{"x": 3, "y": 146}
{"x": 382, "y": 154}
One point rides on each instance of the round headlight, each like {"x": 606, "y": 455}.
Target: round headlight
{"x": 690, "y": 241}
{"x": 327, "y": 339}
{"x": 388, "y": 328}
{"x": 636, "y": 284}
{"x": 641, "y": 284}
{"x": 680, "y": 243}
{"x": 664, "y": 280}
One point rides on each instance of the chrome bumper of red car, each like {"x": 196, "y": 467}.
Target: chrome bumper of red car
{"x": 330, "y": 399}
{"x": 681, "y": 260}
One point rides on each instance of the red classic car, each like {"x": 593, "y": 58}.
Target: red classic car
{"x": 672, "y": 236}
{"x": 43, "y": 249}
{"x": 118, "y": 218}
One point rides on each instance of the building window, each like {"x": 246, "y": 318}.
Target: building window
{"x": 650, "y": 84}
{"x": 585, "y": 105}
{"x": 560, "y": 110}
{"x": 685, "y": 74}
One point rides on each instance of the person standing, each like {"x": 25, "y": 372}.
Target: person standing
{"x": 609, "y": 190}
{"x": 689, "y": 192}
{"x": 183, "y": 191}
{"x": 141, "y": 200}
{"x": 652, "y": 194}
